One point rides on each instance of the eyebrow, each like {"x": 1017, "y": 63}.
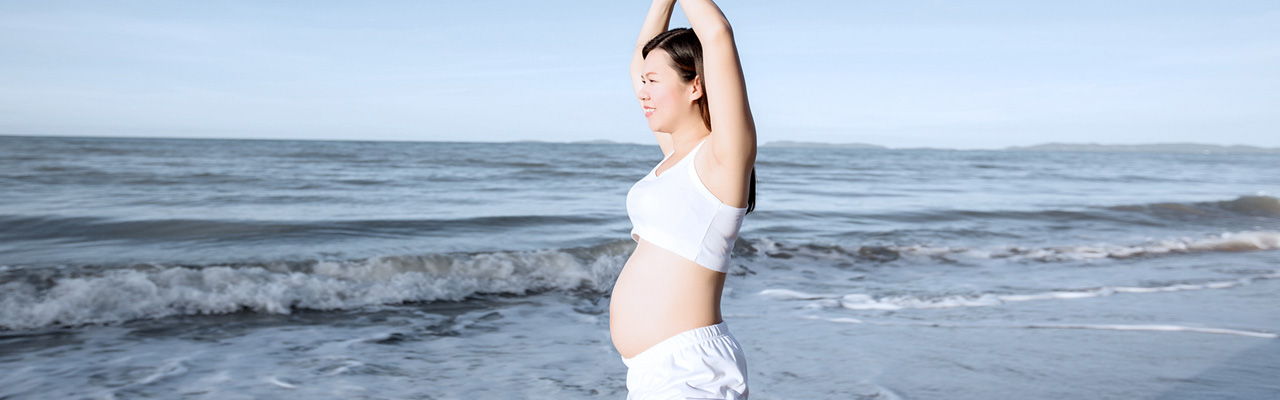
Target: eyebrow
{"x": 647, "y": 74}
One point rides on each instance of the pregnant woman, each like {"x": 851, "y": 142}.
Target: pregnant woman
{"x": 664, "y": 316}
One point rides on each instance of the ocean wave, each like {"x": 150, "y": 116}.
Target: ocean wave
{"x": 1223, "y": 242}
{"x": 1247, "y": 208}
{"x": 18, "y": 227}
{"x": 862, "y": 301}
{"x": 1259, "y": 205}
{"x": 35, "y": 299}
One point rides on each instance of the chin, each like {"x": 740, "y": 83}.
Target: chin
{"x": 653, "y": 126}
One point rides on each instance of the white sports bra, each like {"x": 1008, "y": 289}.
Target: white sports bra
{"x": 677, "y": 212}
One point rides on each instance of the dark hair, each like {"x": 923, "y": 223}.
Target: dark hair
{"x": 686, "y": 58}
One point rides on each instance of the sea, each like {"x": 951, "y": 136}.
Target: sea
{"x": 252, "y": 269}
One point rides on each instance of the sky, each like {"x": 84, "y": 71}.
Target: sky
{"x": 965, "y": 75}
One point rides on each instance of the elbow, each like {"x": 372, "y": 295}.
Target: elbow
{"x": 722, "y": 32}
{"x": 717, "y": 32}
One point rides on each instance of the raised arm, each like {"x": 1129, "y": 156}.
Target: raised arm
{"x": 655, "y": 22}
{"x": 732, "y": 128}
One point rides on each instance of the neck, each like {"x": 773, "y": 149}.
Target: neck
{"x": 684, "y": 139}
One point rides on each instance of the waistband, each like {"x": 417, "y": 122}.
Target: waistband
{"x": 680, "y": 340}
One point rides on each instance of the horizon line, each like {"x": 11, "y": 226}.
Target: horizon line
{"x": 609, "y": 141}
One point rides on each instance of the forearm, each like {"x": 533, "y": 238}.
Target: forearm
{"x": 654, "y": 23}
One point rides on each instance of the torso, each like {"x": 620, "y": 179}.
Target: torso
{"x": 660, "y": 294}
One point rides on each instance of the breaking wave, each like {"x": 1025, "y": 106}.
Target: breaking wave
{"x": 34, "y": 298}
{"x": 1223, "y": 242}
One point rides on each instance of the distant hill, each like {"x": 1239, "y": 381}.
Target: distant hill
{"x": 788, "y": 143}
{"x": 597, "y": 141}
{"x": 1148, "y": 148}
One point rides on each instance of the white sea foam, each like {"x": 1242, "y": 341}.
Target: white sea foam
{"x": 1113, "y": 327}
{"x": 861, "y": 301}
{"x": 1228, "y": 242}
{"x": 866, "y": 302}
{"x": 843, "y": 320}
{"x": 787, "y": 294}
{"x": 1158, "y": 328}
{"x": 276, "y": 381}
{"x": 121, "y": 295}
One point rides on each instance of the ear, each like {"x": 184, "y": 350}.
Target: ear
{"x": 696, "y": 92}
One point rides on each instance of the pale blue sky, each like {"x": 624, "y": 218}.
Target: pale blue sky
{"x": 975, "y": 74}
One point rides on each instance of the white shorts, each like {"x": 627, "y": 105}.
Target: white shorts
{"x": 700, "y": 363}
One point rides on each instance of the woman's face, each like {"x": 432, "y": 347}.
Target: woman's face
{"x": 667, "y": 101}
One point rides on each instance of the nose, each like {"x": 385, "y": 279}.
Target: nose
{"x": 643, "y": 93}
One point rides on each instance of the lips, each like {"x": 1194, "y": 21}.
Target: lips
{"x": 648, "y": 111}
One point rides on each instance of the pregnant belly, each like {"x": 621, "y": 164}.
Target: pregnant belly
{"x": 658, "y": 295}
